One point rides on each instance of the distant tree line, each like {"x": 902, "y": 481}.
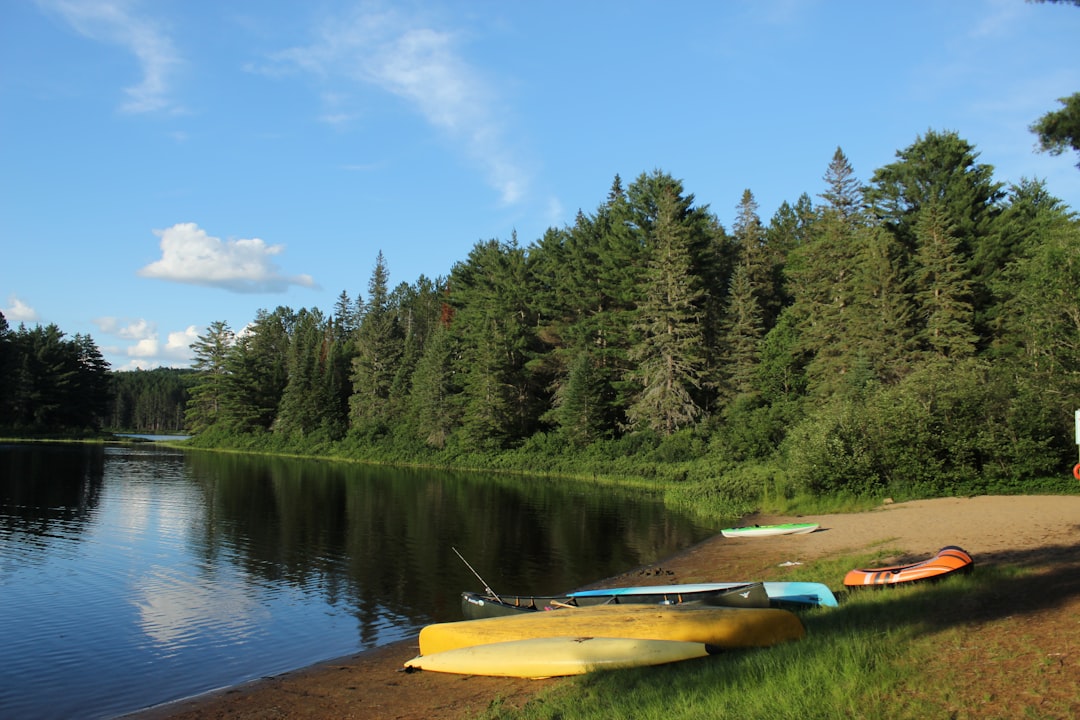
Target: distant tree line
{"x": 912, "y": 334}
{"x": 50, "y": 383}
{"x": 149, "y": 401}
{"x": 53, "y": 384}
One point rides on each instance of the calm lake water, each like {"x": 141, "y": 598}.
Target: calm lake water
{"x": 136, "y": 575}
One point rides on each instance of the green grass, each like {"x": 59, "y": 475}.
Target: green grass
{"x": 857, "y": 660}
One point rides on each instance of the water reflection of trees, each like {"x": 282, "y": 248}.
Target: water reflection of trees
{"x": 380, "y": 539}
{"x": 42, "y": 486}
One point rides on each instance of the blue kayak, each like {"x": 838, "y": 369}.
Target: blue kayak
{"x": 796, "y": 593}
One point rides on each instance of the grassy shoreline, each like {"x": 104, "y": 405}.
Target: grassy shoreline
{"x": 868, "y": 657}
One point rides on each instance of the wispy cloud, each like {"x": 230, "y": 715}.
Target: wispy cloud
{"x": 422, "y": 65}
{"x": 189, "y": 255}
{"x": 996, "y": 18}
{"x": 117, "y": 23}
{"x": 127, "y": 329}
{"x": 19, "y": 312}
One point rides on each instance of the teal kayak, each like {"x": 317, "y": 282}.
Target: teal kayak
{"x": 796, "y": 593}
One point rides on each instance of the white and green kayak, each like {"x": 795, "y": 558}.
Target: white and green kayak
{"x": 766, "y": 530}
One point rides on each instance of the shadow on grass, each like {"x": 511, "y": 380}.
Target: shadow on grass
{"x": 1002, "y": 584}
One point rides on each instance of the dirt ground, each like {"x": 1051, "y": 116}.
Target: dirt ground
{"x": 1024, "y": 659}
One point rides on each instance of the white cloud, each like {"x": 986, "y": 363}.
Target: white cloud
{"x": 132, "y": 330}
{"x": 180, "y": 341}
{"x": 145, "y": 349}
{"x": 424, "y": 67}
{"x": 189, "y": 255}
{"x": 114, "y": 22}
{"x": 19, "y": 312}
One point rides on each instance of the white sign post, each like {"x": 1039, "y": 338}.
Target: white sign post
{"x": 1076, "y": 468}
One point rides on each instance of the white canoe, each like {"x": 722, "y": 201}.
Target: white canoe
{"x": 557, "y": 656}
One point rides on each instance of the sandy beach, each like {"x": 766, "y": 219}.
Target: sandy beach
{"x": 1040, "y": 532}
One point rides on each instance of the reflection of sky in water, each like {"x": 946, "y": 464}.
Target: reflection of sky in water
{"x": 164, "y": 575}
{"x": 174, "y": 607}
{"x": 136, "y": 596}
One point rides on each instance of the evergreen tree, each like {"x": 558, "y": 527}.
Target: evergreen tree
{"x": 883, "y": 327}
{"x": 1029, "y": 213}
{"x": 612, "y": 255}
{"x": 789, "y": 228}
{"x": 211, "y": 351}
{"x": 821, "y": 273}
{"x": 942, "y": 169}
{"x": 431, "y": 392}
{"x": 418, "y": 308}
{"x": 757, "y": 259}
{"x": 1042, "y": 300}
{"x": 347, "y": 315}
{"x": 149, "y": 401}
{"x": 343, "y": 349}
{"x": 379, "y": 346}
{"x": 780, "y": 374}
{"x": 256, "y": 371}
{"x": 1059, "y": 130}
{"x": 942, "y": 287}
{"x": 92, "y": 388}
{"x": 494, "y": 324}
{"x": 844, "y": 193}
{"x": 744, "y": 334}
{"x": 938, "y": 168}
{"x": 305, "y": 399}
{"x": 670, "y": 356}
{"x": 8, "y": 369}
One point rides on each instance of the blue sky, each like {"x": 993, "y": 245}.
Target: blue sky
{"x": 168, "y": 163}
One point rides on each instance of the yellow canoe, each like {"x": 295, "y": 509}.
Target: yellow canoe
{"x": 723, "y": 627}
{"x": 557, "y": 656}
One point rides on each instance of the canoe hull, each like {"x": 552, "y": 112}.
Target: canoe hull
{"x": 948, "y": 560}
{"x": 475, "y": 606}
{"x": 557, "y": 656}
{"x": 718, "y": 626}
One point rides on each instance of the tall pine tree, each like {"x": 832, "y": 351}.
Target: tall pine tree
{"x": 670, "y": 357}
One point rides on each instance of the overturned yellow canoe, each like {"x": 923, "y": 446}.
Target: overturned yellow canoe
{"x": 722, "y": 627}
{"x": 557, "y": 656}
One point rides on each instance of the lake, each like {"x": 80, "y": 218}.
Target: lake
{"x": 136, "y": 575}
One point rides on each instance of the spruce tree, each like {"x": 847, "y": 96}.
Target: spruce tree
{"x": 670, "y": 357}
{"x": 495, "y": 326}
{"x": 942, "y": 287}
{"x": 745, "y": 331}
{"x": 257, "y": 371}
{"x": 432, "y": 392}
{"x": 821, "y": 274}
{"x": 211, "y": 352}
{"x": 305, "y": 398}
{"x": 882, "y": 321}
{"x": 379, "y": 346}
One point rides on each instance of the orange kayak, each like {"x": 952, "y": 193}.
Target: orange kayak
{"x": 948, "y": 560}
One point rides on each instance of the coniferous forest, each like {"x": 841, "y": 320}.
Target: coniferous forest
{"x": 916, "y": 334}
